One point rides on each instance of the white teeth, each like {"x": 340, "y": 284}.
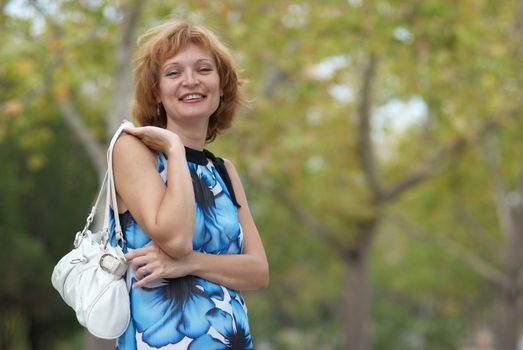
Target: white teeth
{"x": 192, "y": 97}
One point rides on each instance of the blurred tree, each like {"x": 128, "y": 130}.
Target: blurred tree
{"x": 486, "y": 234}
{"x": 321, "y": 161}
{"x": 31, "y": 234}
{"x": 445, "y": 53}
{"x": 70, "y": 94}
{"x": 76, "y": 76}
{"x": 340, "y": 178}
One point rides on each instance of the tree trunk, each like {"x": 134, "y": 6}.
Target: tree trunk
{"x": 507, "y": 307}
{"x": 506, "y": 330}
{"x": 93, "y": 343}
{"x": 507, "y": 320}
{"x": 123, "y": 88}
{"x": 357, "y": 288}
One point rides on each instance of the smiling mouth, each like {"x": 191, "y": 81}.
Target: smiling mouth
{"x": 192, "y": 97}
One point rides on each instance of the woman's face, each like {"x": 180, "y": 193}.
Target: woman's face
{"x": 189, "y": 85}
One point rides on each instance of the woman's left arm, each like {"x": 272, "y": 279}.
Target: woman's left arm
{"x": 249, "y": 270}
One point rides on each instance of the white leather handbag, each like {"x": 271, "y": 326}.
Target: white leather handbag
{"x": 90, "y": 277}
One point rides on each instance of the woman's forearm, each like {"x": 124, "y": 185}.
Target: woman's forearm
{"x": 235, "y": 271}
{"x": 176, "y": 212}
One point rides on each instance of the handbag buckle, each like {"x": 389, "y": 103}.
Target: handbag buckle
{"x": 114, "y": 265}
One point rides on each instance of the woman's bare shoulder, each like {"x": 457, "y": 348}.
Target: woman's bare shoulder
{"x": 130, "y": 148}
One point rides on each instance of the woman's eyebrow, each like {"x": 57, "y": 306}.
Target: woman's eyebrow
{"x": 175, "y": 63}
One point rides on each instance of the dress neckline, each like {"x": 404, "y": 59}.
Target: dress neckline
{"x": 195, "y": 156}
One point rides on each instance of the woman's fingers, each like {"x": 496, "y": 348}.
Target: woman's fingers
{"x": 147, "y": 274}
{"x": 156, "y": 138}
{"x": 145, "y": 280}
{"x": 150, "y": 263}
{"x": 133, "y": 131}
{"x": 141, "y": 272}
{"x": 133, "y": 254}
{"x": 139, "y": 261}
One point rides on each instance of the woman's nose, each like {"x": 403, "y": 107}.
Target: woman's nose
{"x": 191, "y": 79}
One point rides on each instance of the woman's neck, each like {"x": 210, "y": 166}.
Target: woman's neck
{"x": 191, "y": 135}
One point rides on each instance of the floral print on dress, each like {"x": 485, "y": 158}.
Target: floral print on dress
{"x": 190, "y": 312}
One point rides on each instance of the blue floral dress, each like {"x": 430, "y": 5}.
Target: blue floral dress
{"x": 190, "y": 312}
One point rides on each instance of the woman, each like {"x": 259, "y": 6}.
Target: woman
{"x": 190, "y": 238}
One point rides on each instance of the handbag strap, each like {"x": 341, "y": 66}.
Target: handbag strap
{"x": 110, "y": 197}
{"x": 111, "y": 191}
{"x": 92, "y": 214}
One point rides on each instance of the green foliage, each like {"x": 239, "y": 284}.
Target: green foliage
{"x": 37, "y": 225}
{"x": 296, "y": 143}
{"x": 424, "y": 298}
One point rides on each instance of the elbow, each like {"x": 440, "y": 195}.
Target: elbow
{"x": 264, "y": 276}
{"x": 265, "y": 283}
{"x": 178, "y": 247}
{"x": 258, "y": 277}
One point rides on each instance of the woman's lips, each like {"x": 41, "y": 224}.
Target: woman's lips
{"x": 192, "y": 98}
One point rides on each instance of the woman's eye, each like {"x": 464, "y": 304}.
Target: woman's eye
{"x": 205, "y": 69}
{"x": 171, "y": 73}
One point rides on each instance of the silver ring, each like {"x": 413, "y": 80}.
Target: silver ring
{"x": 145, "y": 272}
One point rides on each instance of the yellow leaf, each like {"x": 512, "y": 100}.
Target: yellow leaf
{"x": 61, "y": 92}
{"x": 35, "y": 162}
{"x": 56, "y": 44}
{"x": 12, "y": 108}
{"x": 26, "y": 66}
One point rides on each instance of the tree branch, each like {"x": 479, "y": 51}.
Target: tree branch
{"x": 273, "y": 79}
{"x": 434, "y": 165}
{"x": 93, "y": 148}
{"x": 477, "y": 264}
{"x": 95, "y": 151}
{"x": 365, "y": 147}
{"x": 500, "y": 190}
{"x": 518, "y": 31}
{"x": 463, "y": 217}
{"x": 49, "y": 71}
{"x": 426, "y": 170}
{"x": 123, "y": 77}
{"x": 313, "y": 226}
{"x": 520, "y": 279}
{"x": 518, "y": 55}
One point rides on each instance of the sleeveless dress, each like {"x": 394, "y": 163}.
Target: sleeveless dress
{"x": 190, "y": 312}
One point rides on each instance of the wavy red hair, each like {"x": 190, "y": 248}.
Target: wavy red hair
{"x": 166, "y": 40}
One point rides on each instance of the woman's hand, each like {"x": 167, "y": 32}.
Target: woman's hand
{"x": 158, "y": 139}
{"x": 150, "y": 263}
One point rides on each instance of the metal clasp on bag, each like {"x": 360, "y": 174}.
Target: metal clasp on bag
{"x": 120, "y": 240}
{"x": 81, "y": 259}
{"x": 117, "y": 267}
{"x": 80, "y": 235}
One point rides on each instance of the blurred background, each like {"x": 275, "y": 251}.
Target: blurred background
{"x": 381, "y": 153}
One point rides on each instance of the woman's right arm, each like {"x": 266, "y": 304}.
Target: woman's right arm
{"x": 166, "y": 213}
